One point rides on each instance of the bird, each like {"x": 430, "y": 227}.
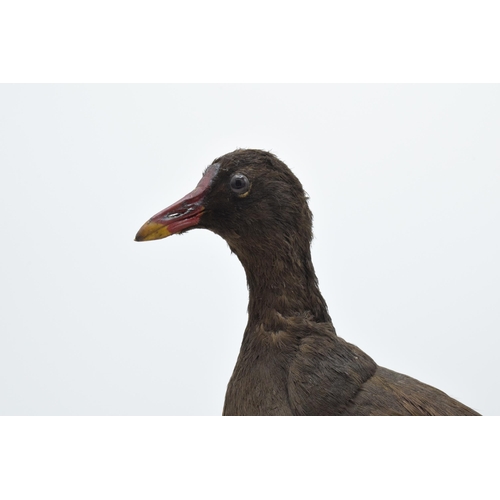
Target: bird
{"x": 291, "y": 361}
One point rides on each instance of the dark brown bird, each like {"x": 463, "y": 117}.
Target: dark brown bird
{"x": 291, "y": 360}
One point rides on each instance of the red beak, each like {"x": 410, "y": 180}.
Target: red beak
{"x": 182, "y": 215}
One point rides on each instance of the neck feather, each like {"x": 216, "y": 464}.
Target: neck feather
{"x": 282, "y": 282}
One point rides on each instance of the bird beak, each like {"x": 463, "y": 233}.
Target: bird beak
{"x": 183, "y": 214}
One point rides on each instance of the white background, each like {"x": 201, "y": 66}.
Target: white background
{"x": 404, "y": 184}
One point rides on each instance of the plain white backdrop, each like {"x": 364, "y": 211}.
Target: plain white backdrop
{"x": 404, "y": 184}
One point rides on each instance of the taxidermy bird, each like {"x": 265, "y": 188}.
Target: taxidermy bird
{"x": 291, "y": 360}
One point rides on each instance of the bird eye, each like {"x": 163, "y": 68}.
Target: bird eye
{"x": 239, "y": 183}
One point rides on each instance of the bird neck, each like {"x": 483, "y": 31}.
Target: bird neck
{"x": 282, "y": 283}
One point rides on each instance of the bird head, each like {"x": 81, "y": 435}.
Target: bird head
{"x": 249, "y": 197}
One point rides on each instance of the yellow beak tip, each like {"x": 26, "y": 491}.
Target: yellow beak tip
{"x": 152, "y": 231}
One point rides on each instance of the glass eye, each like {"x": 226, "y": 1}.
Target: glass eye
{"x": 239, "y": 183}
